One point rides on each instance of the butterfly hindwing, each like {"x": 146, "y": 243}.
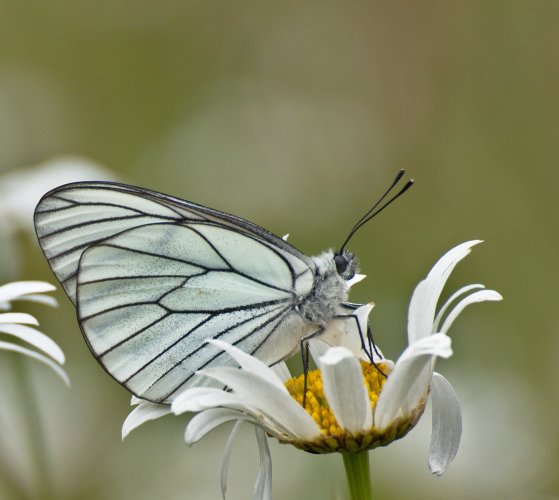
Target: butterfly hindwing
{"x": 149, "y": 298}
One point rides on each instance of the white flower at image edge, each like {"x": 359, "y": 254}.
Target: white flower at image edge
{"x": 16, "y": 325}
{"x": 349, "y": 405}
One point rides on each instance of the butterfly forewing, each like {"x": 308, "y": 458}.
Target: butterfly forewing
{"x": 70, "y": 221}
{"x": 74, "y": 217}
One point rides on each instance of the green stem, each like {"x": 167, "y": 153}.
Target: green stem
{"x": 358, "y": 476}
{"x": 33, "y": 425}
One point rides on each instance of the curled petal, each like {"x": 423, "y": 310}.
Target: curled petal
{"x": 446, "y": 264}
{"x": 46, "y": 300}
{"x": 203, "y": 398}
{"x": 208, "y": 420}
{"x": 409, "y": 382}
{"x": 263, "y": 484}
{"x": 450, "y": 300}
{"x": 36, "y": 339}
{"x": 250, "y": 364}
{"x": 345, "y": 391}
{"x": 421, "y": 313}
{"x": 20, "y": 318}
{"x": 350, "y": 331}
{"x": 7, "y": 346}
{"x": 15, "y": 290}
{"x": 356, "y": 279}
{"x": 447, "y": 425}
{"x": 437, "y": 344}
{"x": 224, "y": 466}
{"x": 260, "y": 394}
{"x": 144, "y": 412}
{"x": 481, "y": 296}
{"x": 199, "y": 399}
{"x": 134, "y": 400}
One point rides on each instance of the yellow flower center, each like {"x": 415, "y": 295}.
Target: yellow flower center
{"x": 316, "y": 404}
{"x": 333, "y": 436}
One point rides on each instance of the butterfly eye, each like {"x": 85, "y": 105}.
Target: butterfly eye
{"x": 346, "y": 265}
{"x": 341, "y": 263}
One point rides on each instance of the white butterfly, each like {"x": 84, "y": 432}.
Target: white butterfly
{"x": 153, "y": 277}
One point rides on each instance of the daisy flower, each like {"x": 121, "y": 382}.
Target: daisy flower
{"x": 17, "y": 325}
{"x": 352, "y": 404}
{"x": 22, "y": 188}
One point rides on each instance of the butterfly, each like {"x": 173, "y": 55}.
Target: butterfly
{"x": 153, "y": 277}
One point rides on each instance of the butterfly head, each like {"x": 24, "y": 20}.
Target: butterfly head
{"x": 346, "y": 264}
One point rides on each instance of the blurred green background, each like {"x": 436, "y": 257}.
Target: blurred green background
{"x": 296, "y": 115}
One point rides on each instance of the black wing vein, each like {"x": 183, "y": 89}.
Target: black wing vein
{"x": 154, "y": 277}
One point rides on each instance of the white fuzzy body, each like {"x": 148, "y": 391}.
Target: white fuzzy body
{"x": 313, "y": 312}
{"x": 327, "y": 294}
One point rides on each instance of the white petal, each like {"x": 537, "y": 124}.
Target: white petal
{"x": 203, "y": 398}
{"x": 36, "y": 339}
{"x": 444, "y": 266}
{"x": 344, "y": 332}
{"x": 21, "y": 318}
{"x": 481, "y": 296}
{"x": 356, "y": 279}
{"x": 421, "y": 313}
{"x": 224, "y": 465}
{"x": 198, "y": 399}
{"x": 263, "y": 484}
{"x": 266, "y": 397}
{"x": 11, "y": 291}
{"x": 46, "y": 300}
{"x": 134, "y": 400}
{"x": 250, "y": 364}
{"x": 282, "y": 371}
{"x": 143, "y": 413}
{"x": 450, "y": 300}
{"x": 362, "y": 314}
{"x": 345, "y": 390}
{"x": 318, "y": 348}
{"x": 408, "y": 383}
{"x": 447, "y": 425}
{"x": 437, "y": 344}
{"x": 6, "y": 346}
{"x": 208, "y": 420}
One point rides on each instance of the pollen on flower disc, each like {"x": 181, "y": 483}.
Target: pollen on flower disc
{"x": 333, "y": 437}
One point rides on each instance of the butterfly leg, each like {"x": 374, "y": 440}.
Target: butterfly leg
{"x": 305, "y": 357}
{"x": 371, "y": 341}
{"x": 368, "y": 349}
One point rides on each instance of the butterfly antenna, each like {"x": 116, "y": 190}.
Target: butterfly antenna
{"x": 375, "y": 209}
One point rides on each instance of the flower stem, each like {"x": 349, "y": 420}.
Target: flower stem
{"x": 32, "y": 422}
{"x": 357, "y": 473}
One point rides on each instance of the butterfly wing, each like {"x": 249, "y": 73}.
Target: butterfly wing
{"x": 154, "y": 278}
{"x": 73, "y": 217}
